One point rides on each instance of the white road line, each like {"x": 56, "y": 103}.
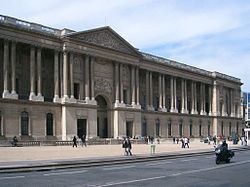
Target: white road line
{"x": 158, "y": 163}
{"x": 189, "y": 160}
{"x": 173, "y": 175}
{"x": 210, "y": 157}
{"x": 117, "y": 168}
{"x": 209, "y": 169}
{"x": 132, "y": 181}
{"x": 64, "y": 173}
{"x": 14, "y": 177}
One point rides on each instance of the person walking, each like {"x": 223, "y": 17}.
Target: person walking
{"x": 74, "y": 142}
{"x": 15, "y": 140}
{"x": 126, "y": 144}
{"x": 83, "y": 138}
{"x": 186, "y": 142}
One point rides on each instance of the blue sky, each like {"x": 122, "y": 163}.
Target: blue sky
{"x": 208, "y": 34}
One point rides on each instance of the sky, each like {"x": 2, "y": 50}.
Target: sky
{"x": 209, "y": 34}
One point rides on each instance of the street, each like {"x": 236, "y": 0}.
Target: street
{"x": 179, "y": 172}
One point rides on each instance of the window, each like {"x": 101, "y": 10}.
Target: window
{"x": 200, "y": 130}
{"x": 180, "y": 129}
{"x": 237, "y": 128}
{"x": 191, "y": 130}
{"x": 208, "y": 129}
{"x": 125, "y": 97}
{"x": 157, "y": 128}
{"x": 1, "y": 124}
{"x": 24, "y": 124}
{"x": 76, "y": 90}
{"x": 222, "y": 128}
{"x": 49, "y": 124}
{"x": 230, "y": 129}
{"x": 169, "y": 128}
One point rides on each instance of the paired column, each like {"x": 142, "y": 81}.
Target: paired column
{"x": 184, "y": 96}
{"x": 87, "y": 81}
{"x": 121, "y": 84}
{"x": 173, "y": 95}
{"x": 116, "y": 83}
{"x": 147, "y": 91}
{"x": 65, "y": 76}
{"x": 162, "y": 93}
{"x": 194, "y": 98}
{"x": 137, "y": 86}
{"x": 6, "y": 60}
{"x": 56, "y": 77}
{"x": 133, "y": 84}
{"x": 232, "y": 103}
{"x": 210, "y": 100}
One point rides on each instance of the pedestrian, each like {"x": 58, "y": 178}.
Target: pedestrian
{"x": 182, "y": 143}
{"x": 186, "y": 142}
{"x": 83, "y": 138}
{"x": 173, "y": 140}
{"x": 15, "y": 140}
{"x": 74, "y": 142}
{"x": 126, "y": 144}
{"x": 214, "y": 140}
{"x": 177, "y": 140}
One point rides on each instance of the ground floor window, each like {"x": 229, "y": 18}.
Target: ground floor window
{"x": 24, "y": 123}
{"x": 49, "y": 124}
{"x": 200, "y": 134}
{"x": 169, "y": 129}
{"x": 157, "y": 129}
{"x": 180, "y": 129}
{"x": 222, "y": 128}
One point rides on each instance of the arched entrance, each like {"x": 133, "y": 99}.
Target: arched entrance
{"x": 102, "y": 117}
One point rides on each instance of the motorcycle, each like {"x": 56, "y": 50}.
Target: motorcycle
{"x": 223, "y": 155}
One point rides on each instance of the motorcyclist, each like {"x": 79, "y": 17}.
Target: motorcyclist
{"x": 224, "y": 147}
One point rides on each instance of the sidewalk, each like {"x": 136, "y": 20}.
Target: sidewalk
{"x": 18, "y": 157}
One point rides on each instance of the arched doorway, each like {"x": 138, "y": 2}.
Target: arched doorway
{"x": 102, "y": 117}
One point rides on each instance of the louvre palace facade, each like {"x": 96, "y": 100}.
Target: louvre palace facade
{"x": 55, "y": 84}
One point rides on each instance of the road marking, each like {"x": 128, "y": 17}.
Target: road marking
{"x": 117, "y": 168}
{"x": 172, "y": 175}
{"x": 132, "y": 181}
{"x": 209, "y": 169}
{"x": 64, "y": 173}
{"x": 14, "y": 177}
{"x": 189, "y": 160}
{"x": 158, "y": 163}
{"x": 210, "y": 157}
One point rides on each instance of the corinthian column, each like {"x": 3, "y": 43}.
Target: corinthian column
{"x": 147, "y": 90}
{"x": 39, "y": 76}
{"x": 137, "y": 86}
{"x": 56, "y": 78}
{"x": 13, "y": 71}
{"x": 65, "y": 77}
{"x": 121, "y": 84}
{"x": 163, "y": 94}
{"x": 6, "y": 92}
{"x": 116, "y": 83}
{"x": 160, "y": 92}
{"x": 87, "y": 78}
{"x": 32, "y": 74}
{"x": 133, "y": 84}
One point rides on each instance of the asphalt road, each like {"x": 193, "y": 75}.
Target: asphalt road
{"x": 196, "y": 171}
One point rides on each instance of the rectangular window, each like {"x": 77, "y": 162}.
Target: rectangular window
{"x": 191, "y": 130}
{"x": 222, "y": 128}
{"x": 157, "y": 129}
{"x": 169, "y": 129}
{"x": 76, "y": 90}
{"x": 237, "y": 128}
{"x": 208, "y": 129}
{"x": 230, "y": 130}
{"x": 125, "y": 97}
{"x": 200, "y": 130}
{"x": 180, "y": 129}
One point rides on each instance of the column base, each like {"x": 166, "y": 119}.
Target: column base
{"x": 232, "y": 115}
{"x": 225, "y": 114}
{"x": 150, "y": 108}
{"x": 184, "y": 111}
{"x": 173, "y": 110}
{"x": 56, "y": 99}
{"x": 14, "y": 95}
{"x": 32, "y": 96}
{"x": 119, "y": 105}
{"x": 194, "y": 112}
{"x": 162, "y": 109}
{"x": 65, "y": 99}
{"x": 210, "y": 113}
{"x": 136, "y": 106}
{"x": 72, "y": 99}
{"x": 39, "y": 97}
{"x": 6, "y": 94}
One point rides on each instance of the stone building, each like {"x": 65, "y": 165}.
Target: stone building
{"x": 55, "y": 84}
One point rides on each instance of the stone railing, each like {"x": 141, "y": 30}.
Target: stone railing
{"x": 28, "y": 25}
{"x": 102, "y": 141}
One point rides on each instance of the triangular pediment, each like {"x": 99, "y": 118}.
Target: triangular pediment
{"x": 105, "y": 37}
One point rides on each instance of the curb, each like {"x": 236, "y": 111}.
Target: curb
{"x": 105, "y": 161}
